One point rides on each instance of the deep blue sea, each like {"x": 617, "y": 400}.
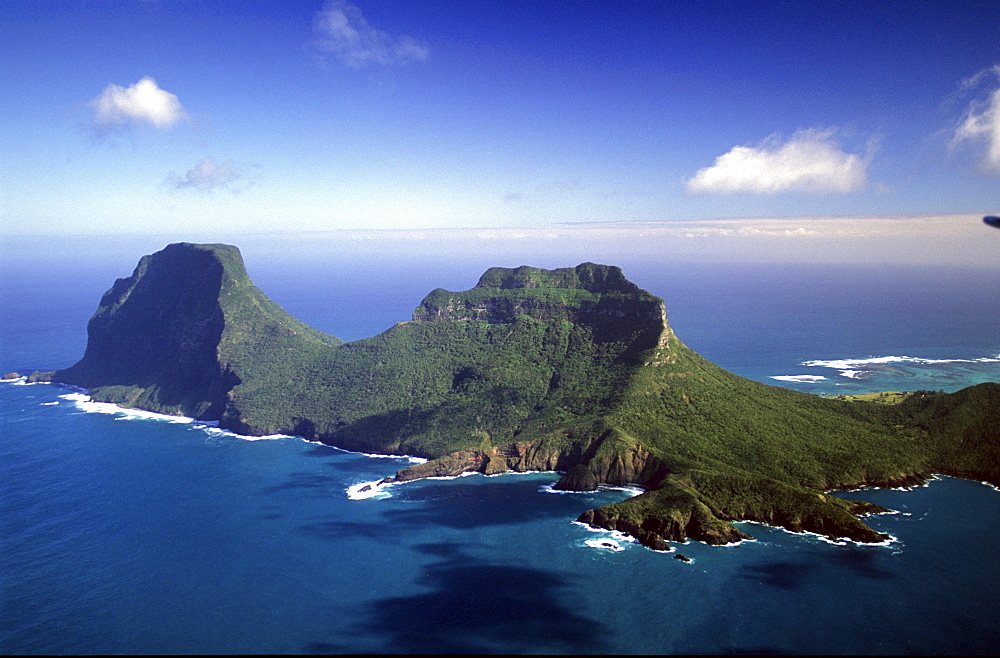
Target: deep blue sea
{"x": 123, "y": 534}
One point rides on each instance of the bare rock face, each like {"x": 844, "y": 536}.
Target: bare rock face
{"x": 578, "y": 478}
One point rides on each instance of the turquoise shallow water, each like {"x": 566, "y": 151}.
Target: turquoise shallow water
{"x": 145, "y": 536}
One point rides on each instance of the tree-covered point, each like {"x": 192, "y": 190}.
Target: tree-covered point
{"x": 574, "y": 369}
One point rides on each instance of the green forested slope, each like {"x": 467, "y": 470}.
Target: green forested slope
{"x": 574, "y": 369}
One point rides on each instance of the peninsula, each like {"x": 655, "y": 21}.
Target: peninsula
{"x": 573, "y": 370}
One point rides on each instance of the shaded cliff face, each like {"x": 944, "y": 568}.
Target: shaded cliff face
{"x": 598, "y": 295}
{"x": 574, "y": 370}
{"x": 157, "y": 332}
{"x": 174, "y": 336}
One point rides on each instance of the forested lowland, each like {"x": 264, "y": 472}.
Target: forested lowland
{"x": 573, "y": 370}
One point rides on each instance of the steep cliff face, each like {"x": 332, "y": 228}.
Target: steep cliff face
{"x": 181, "y": 332}
{"x": 573, "y": 370}
{"x": 598, "y": 295}
{"x": 153, "y": 339}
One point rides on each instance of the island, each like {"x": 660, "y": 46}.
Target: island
{"x": 574, "y": 370}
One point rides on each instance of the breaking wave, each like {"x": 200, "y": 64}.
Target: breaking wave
{"x": 801, "y": 379}
{"x": 864, "y": 367}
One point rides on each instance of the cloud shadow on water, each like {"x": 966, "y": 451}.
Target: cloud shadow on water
{"x": 480, "y": 504}
{"x": 782, "y": 575}
{"x": 476, "y": 607}
{"x": 456, "y": 505}
{"x": 865, "y": 563}
{"x": 306, "y": 480}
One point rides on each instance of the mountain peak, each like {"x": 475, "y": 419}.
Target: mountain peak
{"x": 170, "y": 336}
{"x": 587, "y": 293}
{"x": 591, "y": 277}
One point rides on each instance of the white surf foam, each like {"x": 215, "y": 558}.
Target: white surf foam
{"x": 611, "y": 538}
{"x": 853, "y": 368}
{"x": 85, "y": 403}
{"x": 839, "y": 541}
{"x": 373, "y": 455}
{"x": 464, "y": 474}
{"x": 802, "y": 379}
{"x": 215, "y": 432}
{"x": 858, "y": 368}
{"x": 881, "y": 360}
{"x": 633, "y": 491}
{"x": 604, "y": 544}
{"x": 365, "y": 490}
{"x": 551, "y": 488}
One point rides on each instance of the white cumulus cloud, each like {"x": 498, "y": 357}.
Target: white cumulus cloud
{"x": 981, "y": 121}
{"x": 143, "y": 102}
{"x": 344, "y": 32}
{"x": 206, "y": 176}
{"x": 810, "y": 161}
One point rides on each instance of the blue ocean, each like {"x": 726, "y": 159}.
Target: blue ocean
{"x": 130, "y": 533}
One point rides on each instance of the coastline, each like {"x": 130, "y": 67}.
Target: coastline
{"x": 78, "y": 397}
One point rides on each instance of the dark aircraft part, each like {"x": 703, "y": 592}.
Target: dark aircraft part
{"x": 992, "y": 220}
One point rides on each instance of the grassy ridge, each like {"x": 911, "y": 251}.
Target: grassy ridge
{"x": 574, "y": 369}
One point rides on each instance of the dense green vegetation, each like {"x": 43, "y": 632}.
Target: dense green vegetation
{"x": 574, "y": 369}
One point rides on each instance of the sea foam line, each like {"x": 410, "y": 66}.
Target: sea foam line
{"x": 373, "y": 455}
{"x": 616, "y": 536}
{"x": 802, "y": 379}
{"x": 839, "y": 541}
{"x": 841, "y": 364}
{"x": 377, "y": 488}
{"x": 83, "y": 402}
{"x": 927, "y": 480}
{"x": 550, "y": 488}
{"x": 853, "y": 368}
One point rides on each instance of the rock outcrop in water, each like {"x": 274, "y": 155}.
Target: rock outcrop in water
{"x": 573, "y": 370}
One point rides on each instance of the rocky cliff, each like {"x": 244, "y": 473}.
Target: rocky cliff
{"x": 175, "y": 336}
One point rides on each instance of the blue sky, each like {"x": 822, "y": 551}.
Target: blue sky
{"x": 188, "y": 117}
